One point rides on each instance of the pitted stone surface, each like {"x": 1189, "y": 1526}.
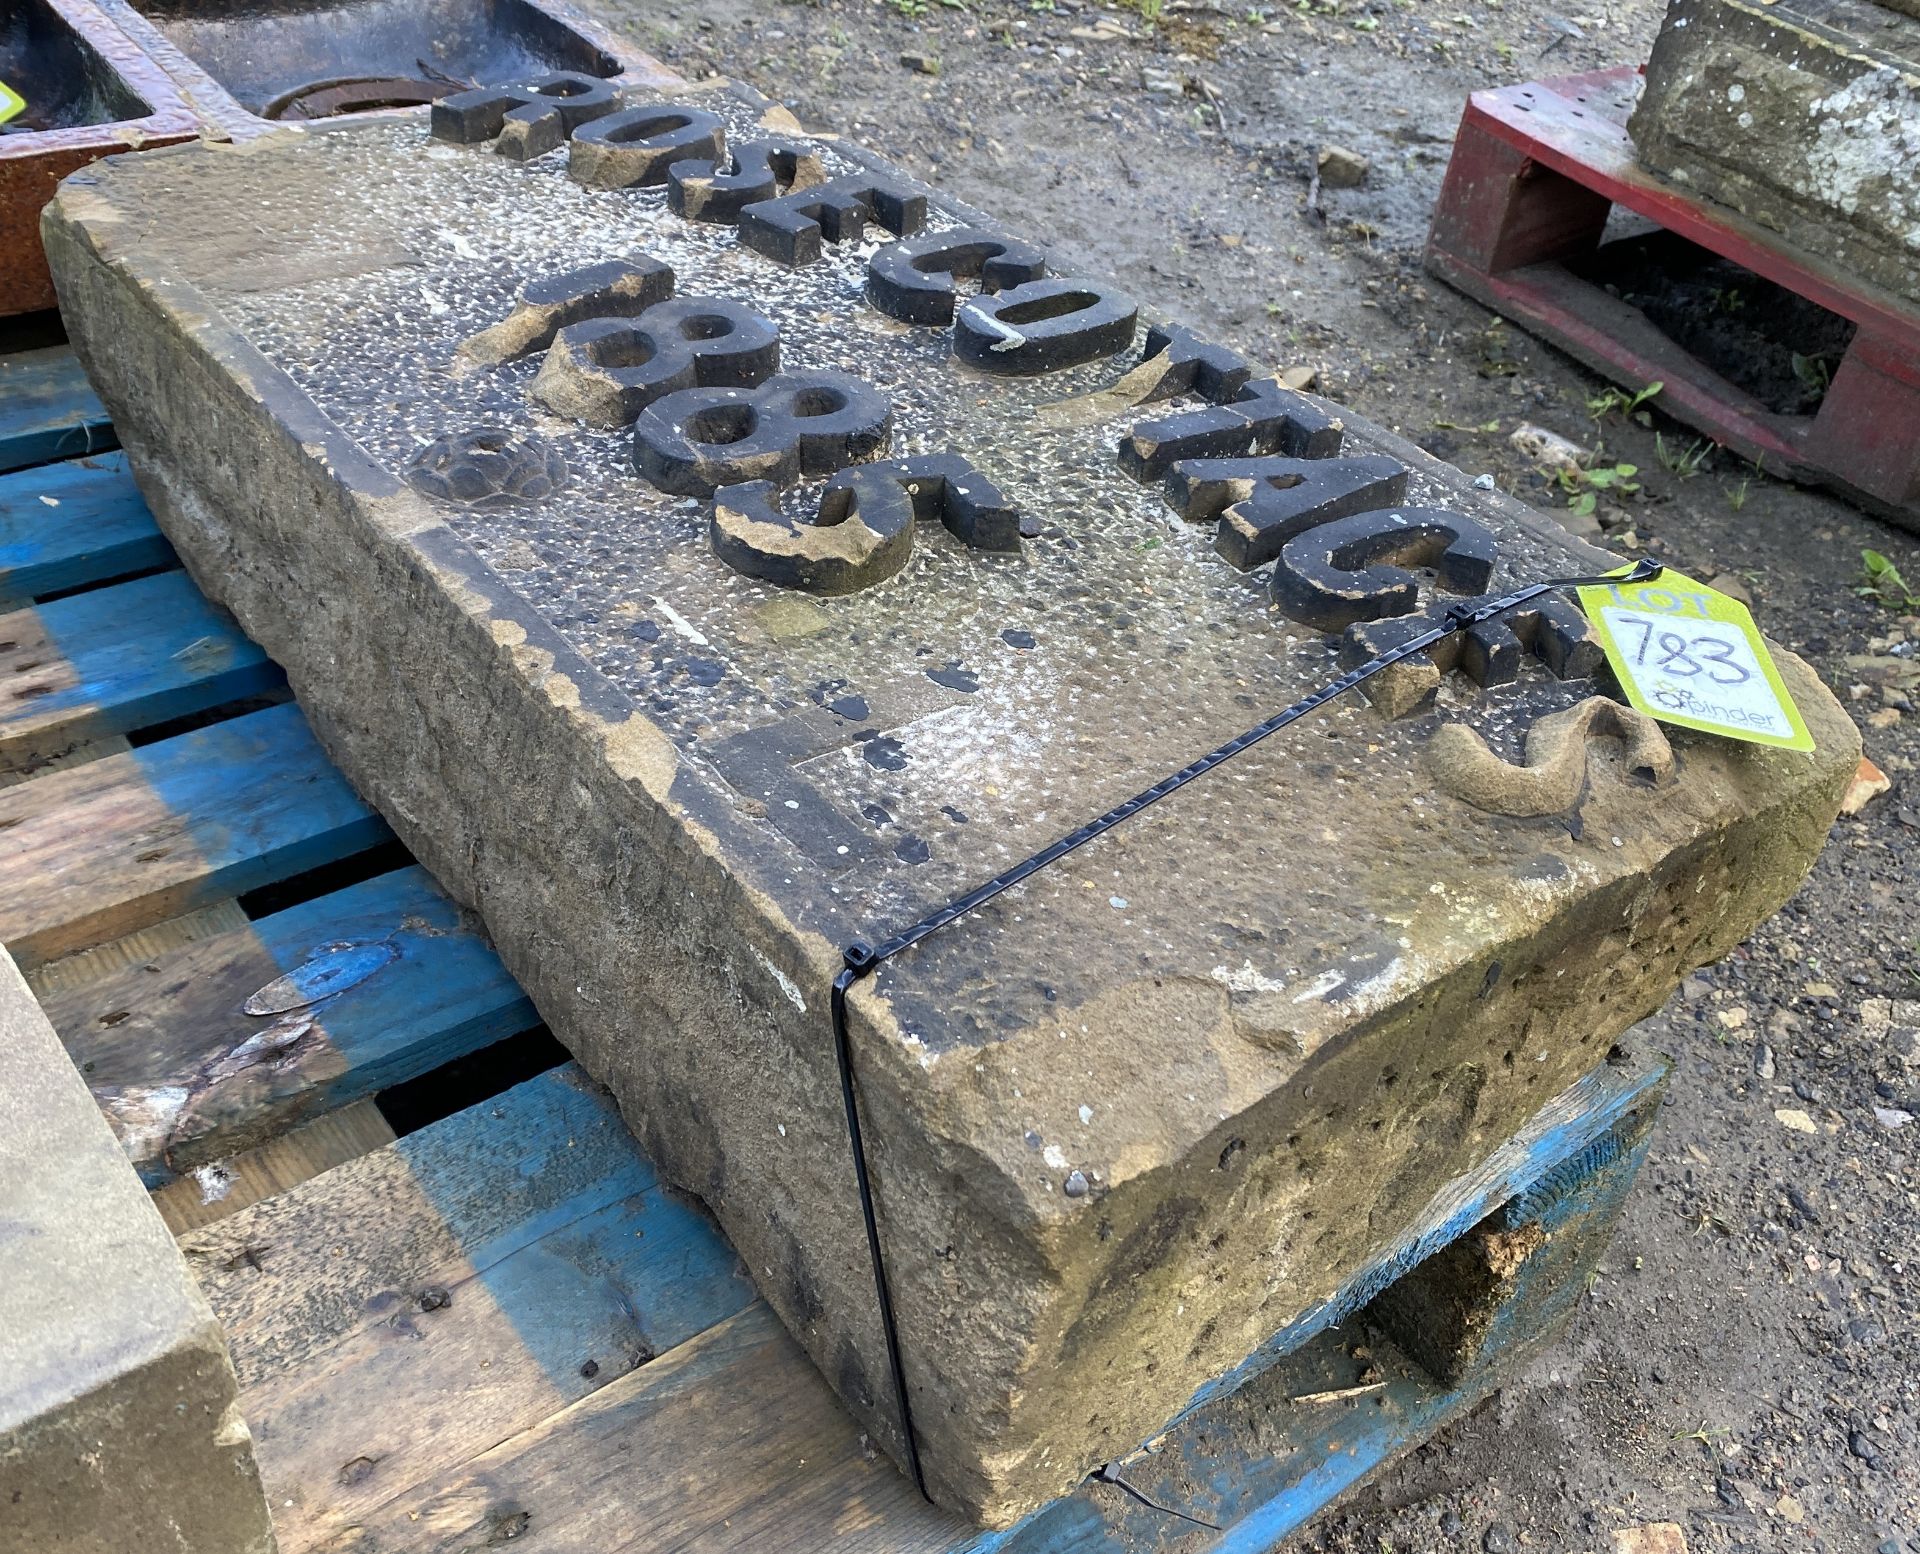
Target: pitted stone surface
{"x": 1802, "y": 115}
{"x": 1254, "y": 1029}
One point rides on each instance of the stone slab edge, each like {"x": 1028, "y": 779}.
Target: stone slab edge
{"x": 119, "y": 1426}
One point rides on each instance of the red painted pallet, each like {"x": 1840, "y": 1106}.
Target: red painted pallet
{"x": 1536, "y": 171}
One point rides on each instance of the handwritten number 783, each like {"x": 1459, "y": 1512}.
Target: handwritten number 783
{"x": 1686, "y": 656}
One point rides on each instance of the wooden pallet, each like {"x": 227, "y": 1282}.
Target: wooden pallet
{"x": 1536, "y": 171}
{"x": 503, "y": 1326}
{"x": 47, "y": 411}
{"x": 154, "y": 774}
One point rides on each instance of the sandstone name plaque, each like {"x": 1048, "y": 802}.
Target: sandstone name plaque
{"x": 708, "y": 547}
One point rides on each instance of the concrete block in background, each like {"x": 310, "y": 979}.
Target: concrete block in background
{"x": 1803, "y": 116}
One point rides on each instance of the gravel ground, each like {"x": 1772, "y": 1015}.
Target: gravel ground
{"x": 1748, "y": 1365}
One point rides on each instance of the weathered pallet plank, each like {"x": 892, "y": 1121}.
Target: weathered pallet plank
{"x": 761, "y": 1454}
{"x": 476, "y": 1277}
{"x": 60, "y": 978}
{"x": 73, "y": 523}
{"x": 384, "y": 980}
{"x": 77, "y": 755}
{"x": 99, "y": 850}
{"x": 497, "y": 1177}
{"x": 274, "y": 1167}
{"x": 763, "y": 1457}
{"x": 116, "y": 659}
{"x": 48, "y": 410}
{"x": 1266, "y": 1462}
{"x": 732, "y": 1442}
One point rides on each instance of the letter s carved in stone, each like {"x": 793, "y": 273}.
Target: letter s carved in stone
{"x": 1556, "y": 770}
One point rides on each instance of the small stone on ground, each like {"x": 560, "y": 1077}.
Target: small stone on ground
{"x": 1650, "y": 1538}
{"x": 1341, "y": 168}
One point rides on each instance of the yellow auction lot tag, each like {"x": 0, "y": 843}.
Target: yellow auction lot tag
{"x": 12, "y": 104}
{"x": 1690, "y": 656}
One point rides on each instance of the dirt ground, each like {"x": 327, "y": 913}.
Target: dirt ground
{"x": 1748, "y": 1365}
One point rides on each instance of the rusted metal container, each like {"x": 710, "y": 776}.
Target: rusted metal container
{"x": 251, "y": 65}
{"x": 89, "y": 92}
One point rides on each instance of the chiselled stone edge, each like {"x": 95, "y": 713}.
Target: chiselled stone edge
{"x": 1632, "y": 1081}
{"x": 1767, "y": 28}
{"x": 118, "y": 1419}
{"x": 1681, "y": 144}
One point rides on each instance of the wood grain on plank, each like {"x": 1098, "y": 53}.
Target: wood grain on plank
{"x": 443, "y": 1203}
{"x": 274, "y": 1167}
{"x": 379, "y": 982}
{"x": 97, "y": 851}
{"x": 79, "y": 755}
{"x": 459, "y": 1366}
{"x": 59, "y": 979}
{"x": 117, "y": 659}
{"x": 731, "y": 1442}
{"x": 48, "y": 410}
{"x": 72, "y": 524}
{"x": 475, "y": 1278}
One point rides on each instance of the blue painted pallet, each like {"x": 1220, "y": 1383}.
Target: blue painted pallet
{"x": 355, "y": 990}
{"x": 73, "y": 523}
{"x": 215, "y": 1046}
{"x": 116, "y": 659}
{"x": 48, "y": 410}
{"x": 96, "y": 851}
{"x": 400, "y": 1315}
{"x": 731, "y": 1440}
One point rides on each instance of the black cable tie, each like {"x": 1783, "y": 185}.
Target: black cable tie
{"x": 860, "y": 959}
